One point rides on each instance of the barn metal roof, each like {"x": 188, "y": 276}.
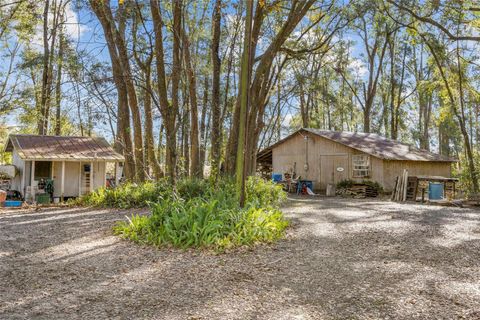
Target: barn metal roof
{"x": 369, "y": 143}
{"x": 61, "y": 148}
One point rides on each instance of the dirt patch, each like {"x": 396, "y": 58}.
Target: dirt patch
{"x": 342, "y": 258}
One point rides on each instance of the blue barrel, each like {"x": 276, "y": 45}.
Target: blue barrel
{"x": 435, "y": 191}
{"x": 276, "y": 177}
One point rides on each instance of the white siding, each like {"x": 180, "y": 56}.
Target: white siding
{"x": 98, "y": 174}
{"x": 17, "y": 182}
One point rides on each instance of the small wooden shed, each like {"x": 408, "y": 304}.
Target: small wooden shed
{"x": 77, "y": 165}
{"x": 329, "y": 157}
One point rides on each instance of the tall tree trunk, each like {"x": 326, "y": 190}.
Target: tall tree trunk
{"x": 58, "y": 86}
{"x": 264, "y": 78}
{"x": 46, "y": 60}
{"x": 216, "y": 64}
{"x": 176, "y": 69}
{"x": 195, "y": 170}
{"x": 203, "y": 126}
{"x": 458, "y": 114}
{"x": 124, "y": 140}
{"x": 244, "y": 101}
{"x": 168, "y": 111}
{"x": 119, "y": 36}
{"x": 150, "y": 143}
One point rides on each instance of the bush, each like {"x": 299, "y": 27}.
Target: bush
{"x": 374, "y": 184}
{"x": 197, "y": 214}
{"x": 264, "y": 192}
{"x": 462, "y": 171}
{"x": 344, "y": 184}
{"x": 127, "y": 195}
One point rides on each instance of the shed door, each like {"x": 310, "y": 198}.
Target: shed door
{"x": 86, "y": 178}
{"x": 333, "y": 169}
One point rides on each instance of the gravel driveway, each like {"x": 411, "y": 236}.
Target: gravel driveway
{"x": 342, "y": 259}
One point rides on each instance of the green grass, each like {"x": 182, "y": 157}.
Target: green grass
{"x": 197, "y": 214}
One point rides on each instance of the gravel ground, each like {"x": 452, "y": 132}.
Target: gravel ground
{"x": 342, "y": 259}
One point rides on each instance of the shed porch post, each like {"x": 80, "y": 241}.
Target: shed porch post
{"x": 115, "y": 173}
{"x": 80, "y": 178}
{"x": 32, "y": 180}
{"x": 62, "y": 181}
{"x": 24, "y": 179}
{"x": 91, "y": 176}
{"x": 105, "y": 174}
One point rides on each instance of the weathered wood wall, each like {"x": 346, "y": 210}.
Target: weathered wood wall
{"x": 392, "y": 169}
{"x": 325, "y": 156}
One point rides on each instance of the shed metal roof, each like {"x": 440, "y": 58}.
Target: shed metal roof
{"x": 372, "y": 144}
{"x": 61, "y": 148}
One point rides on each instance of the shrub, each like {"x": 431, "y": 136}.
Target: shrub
{"x": 201, "y": 223}
{"x": 127, "y": 195}
{"x": 344, "y": 184}
{"x": 463, "y": 173}
{"x": 264, "y": 192}
{"x": 374, "y": 184}
{"x": 197, "y": 214}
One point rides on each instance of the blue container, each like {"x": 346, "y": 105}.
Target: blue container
{"x": 13, "y": 203}
{"x": 435, "y": 191}
{"x": 276, "y": 177}
{"x": 307, "y": 183}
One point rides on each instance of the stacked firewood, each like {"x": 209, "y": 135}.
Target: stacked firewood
{"x": 358, "y": 191}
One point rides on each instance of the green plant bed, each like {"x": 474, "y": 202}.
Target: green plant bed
{"x": 197, "y": 214}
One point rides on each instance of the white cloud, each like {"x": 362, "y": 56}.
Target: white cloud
{"x": 72, "y": 27}
{"x": 286, "y": 120}
{"x": 358, "y": 67}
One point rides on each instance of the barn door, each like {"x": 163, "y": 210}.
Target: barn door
{"x": 333, "y": 169}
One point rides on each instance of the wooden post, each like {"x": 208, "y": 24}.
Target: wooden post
{"x": 32, "y": 180}
{"x": 24, "y": 179}
{"x": 115, "y": 174}
{"x": 62, "y": 181}
{"x": 52, "y": 169}
{"x": 105, "y": 174}
{"x": 404, "y": 193}
{"x": 80, "y": 179}
{"x": 91, "y": 176}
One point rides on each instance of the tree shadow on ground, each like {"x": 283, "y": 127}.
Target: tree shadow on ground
{"x": 341, "y": 259}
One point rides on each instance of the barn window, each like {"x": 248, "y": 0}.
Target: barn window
{"x": 361, "y": 166}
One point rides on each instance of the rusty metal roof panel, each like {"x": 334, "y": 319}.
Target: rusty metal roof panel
{"x": 380, "y": 147}
{"x": 62, "y": 148}
{"x": 373, "y": 144}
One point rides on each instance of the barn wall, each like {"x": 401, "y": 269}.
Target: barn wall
{"x": 324, "y": 157}
{"x": 392, "y": 169}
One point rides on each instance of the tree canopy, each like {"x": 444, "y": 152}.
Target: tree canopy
{"x": 177, "y": 85}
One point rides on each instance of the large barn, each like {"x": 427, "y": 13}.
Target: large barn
{"x": 330, "y": 157}
{"x": 77, "y": 165}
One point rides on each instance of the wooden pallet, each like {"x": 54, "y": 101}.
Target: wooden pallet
{"x": 412, "y": 188}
